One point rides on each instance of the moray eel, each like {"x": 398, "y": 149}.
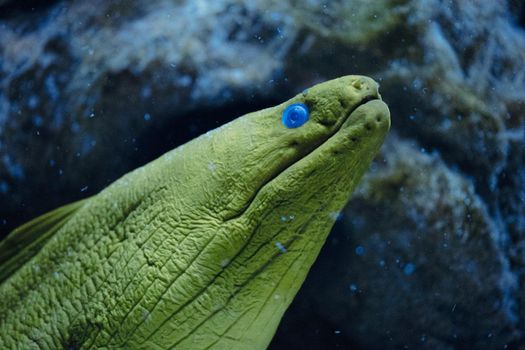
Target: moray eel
{"x": 204, "y": 247}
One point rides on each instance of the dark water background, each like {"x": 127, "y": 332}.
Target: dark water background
{"x": 430, "y": 252}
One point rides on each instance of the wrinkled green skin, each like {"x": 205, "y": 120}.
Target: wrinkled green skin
{"x": 184, "y": 252}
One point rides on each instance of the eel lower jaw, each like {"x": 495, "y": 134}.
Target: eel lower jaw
{"x": 372, "y": 115}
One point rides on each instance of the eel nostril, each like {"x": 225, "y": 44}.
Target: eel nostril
{"x": 357, "y": 84}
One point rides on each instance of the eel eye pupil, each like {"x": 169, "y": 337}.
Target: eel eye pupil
{"x": 295, "y": 115}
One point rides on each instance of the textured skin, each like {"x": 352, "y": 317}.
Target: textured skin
{"x": 205, "y": 247}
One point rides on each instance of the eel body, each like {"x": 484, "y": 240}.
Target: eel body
{"x": 202, "y": 248}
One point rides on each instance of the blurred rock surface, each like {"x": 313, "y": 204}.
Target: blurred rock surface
{"x": 91, "y": 90}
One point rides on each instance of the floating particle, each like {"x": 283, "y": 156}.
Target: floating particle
{"x": 4, "y": 187}
{"x": 280, "y": 247}
{"x": 409, "y": 269}
{"x": 335, "y": 215}
{"x": 212, "y": 166}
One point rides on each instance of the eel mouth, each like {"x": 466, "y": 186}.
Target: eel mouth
{"x": 363, "y": 101}
{"x": 368, "y": 99}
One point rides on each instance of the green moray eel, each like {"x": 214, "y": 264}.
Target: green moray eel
{"x": 202, "y": 248}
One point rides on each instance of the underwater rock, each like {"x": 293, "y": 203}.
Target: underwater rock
{"x": 416, "y": 263}
{"x": 89, "y": 91}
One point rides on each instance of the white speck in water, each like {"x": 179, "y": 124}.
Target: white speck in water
{"x": 146, "y": 315}
{"x": 360, "y": 250}
{"x": 185, "y": 80}
{"x": 335, "y": 215}
{"x": 280, "y": 247}
{"x": 169, "y": 156}
{"x": 32, "y": 102}
{"x": 147, "y": 116}
{"x": 337, "y": 332}
{"x": 83, "y": 188}
{"x": 145, "y": 92}
{"x": 409, "y": 269}
{"x": 353, "y": 287}
{"x": 281, "y": 35}
{"x": 38, "y": 120}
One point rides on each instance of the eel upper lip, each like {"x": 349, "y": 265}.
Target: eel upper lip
{"x": 365, "y": 100}
{"x": 368, "y": 99}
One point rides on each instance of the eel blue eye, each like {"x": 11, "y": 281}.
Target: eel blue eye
{"x": 295, "y": 115}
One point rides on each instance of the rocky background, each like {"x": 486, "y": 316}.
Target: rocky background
{"x": 430, "y": 252}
